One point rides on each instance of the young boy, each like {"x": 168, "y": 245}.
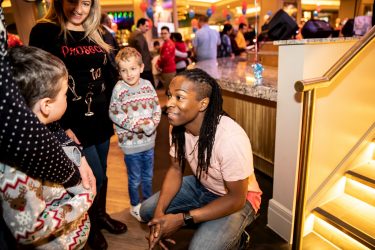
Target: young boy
{"x": 38, "y": 213}
{"x": 135, "y": 110}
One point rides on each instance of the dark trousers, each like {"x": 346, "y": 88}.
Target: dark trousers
{"x": 148, "y": 76}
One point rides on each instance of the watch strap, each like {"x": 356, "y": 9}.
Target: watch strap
{"x": 188, "y": 219}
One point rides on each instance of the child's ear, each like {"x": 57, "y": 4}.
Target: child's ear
{"x": 142, "y": 67}
{"x": 204, "y": 104}
{"x": 45, "y": 106}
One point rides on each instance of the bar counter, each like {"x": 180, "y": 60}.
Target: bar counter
{"x": 236, "y": 75}
{"x": 252, "y": 106}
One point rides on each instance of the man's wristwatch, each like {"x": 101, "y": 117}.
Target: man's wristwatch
{"x": 188, "y": 219}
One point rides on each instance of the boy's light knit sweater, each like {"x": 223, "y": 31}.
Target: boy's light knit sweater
{"x": 136, "y": 112}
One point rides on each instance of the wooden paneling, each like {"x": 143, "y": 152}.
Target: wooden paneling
{"x": 258, "y": 118}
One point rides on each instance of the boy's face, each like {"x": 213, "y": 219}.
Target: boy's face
{"x": 58, "y": 104}
{"x": 130, "y": 70}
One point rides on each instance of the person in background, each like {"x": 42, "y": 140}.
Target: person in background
{"x": 250, "y": 35}
{"x": 225, "y": 49}
{"x": 180, "y": 52}
{"x": 109, "y": 36}
{"x": 19, "y": 128}
{"x": 77, "y": 41}
{"x": 155, "y": 58}
{"x": 43, "y": 81}
{"x": 166, "y": 63}
{"x": 206, "y": 41}
{"x": 135, "y": 111}
{"x": 223, "y": 196}
{"x": 235, "y": 49}
{"x": 240, "y": 38}
{"x": 138, "y": 41}
{"x": 156, "y": 49}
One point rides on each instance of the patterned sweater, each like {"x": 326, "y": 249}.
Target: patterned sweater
{"x": 135, "y": 111}
{"x": 44, "y": 214}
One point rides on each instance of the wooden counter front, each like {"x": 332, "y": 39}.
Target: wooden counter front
{"x": 258, "y": 118}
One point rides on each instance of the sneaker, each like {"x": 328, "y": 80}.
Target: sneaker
{"x": 244, "y": 241}
{"x": 134, "y": 211}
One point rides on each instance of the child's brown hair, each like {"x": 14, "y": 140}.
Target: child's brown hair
{"x": 126, "y": 53}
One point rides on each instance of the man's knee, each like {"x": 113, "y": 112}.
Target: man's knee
{"x": 148, "y": 207}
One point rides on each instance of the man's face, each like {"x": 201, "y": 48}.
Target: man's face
{"x": 144, "y": 28}
{"x": 165, "y": 35}
{"x": 184, "y": 106}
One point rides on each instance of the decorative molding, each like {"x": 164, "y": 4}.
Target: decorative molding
{"x": 280, "y": 220}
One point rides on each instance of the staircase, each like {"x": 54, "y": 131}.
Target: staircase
{"x": 348, "y": 220}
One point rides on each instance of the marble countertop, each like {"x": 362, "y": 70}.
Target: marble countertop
{"x": 315, "y": 40}
{"x": 236, "y": 75}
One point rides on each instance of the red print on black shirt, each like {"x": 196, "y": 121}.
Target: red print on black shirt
{"x": 80, "y": 50}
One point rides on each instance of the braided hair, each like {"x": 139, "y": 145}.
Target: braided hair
{"x": 205, "y": 86}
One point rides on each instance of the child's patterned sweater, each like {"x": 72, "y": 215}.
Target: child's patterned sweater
{"x": 44, "y": 214}
{"x": 136, "y": 112}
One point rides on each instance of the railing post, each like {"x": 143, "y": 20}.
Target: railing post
{"x": 303, "y": 167}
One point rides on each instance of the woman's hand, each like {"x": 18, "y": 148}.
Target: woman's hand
{"x": 72, "y": 136}
{"x": 87, "y": 176}
{"x": 161, "y": 228}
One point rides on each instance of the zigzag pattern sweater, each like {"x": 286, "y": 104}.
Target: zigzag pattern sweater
{"x": 45, "y": 215}
{"x": 135, "y": 111}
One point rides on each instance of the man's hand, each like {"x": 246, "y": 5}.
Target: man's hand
{"x": 161, "y": 228}
{"x": 88, "y": 178}
{"x": 72, "y": 136}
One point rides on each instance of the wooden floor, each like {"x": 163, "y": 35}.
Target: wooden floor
{"x": 118, "y": 202}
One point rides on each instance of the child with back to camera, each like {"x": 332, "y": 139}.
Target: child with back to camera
{"x": 39, "y": 213}
{"x": 135, "y": 110}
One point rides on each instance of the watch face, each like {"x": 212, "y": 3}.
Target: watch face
{"x": 188, "y": 219}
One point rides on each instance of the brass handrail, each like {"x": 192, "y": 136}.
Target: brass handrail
{"x": 308, "y": 87}
{"x": 324, "y": 81}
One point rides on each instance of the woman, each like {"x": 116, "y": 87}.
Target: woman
{"x": 226, "y": 45}
{"x": 223, "y": 196}
{"x": 70, "y": 30}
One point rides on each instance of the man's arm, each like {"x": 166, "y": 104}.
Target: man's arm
{"x": 227, "y": 204}
{"x": 171, "y": 185}
{"x": 162, "y": 227}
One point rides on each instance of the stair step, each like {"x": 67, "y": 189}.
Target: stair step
{"x": 364, "y": 174}
{"x": 352, "y": 216}
{"x": 314, "y": 241}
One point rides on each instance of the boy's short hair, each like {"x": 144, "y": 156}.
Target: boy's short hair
{"x": 156, "y": 43}
{"x": 37, "y": 73}
{"x": 126, "y": 53}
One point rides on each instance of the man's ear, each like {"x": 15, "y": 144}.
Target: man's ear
{"x": 204, "y": 104}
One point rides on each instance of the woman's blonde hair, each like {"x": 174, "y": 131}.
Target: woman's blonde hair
{"x": 91, "y": 25}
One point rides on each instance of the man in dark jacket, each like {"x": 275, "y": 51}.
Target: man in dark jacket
{"x": 139, "y": 42}
{"x": 109, "y": 36}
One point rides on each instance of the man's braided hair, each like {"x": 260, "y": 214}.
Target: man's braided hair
{"x": 205, "y": 86}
